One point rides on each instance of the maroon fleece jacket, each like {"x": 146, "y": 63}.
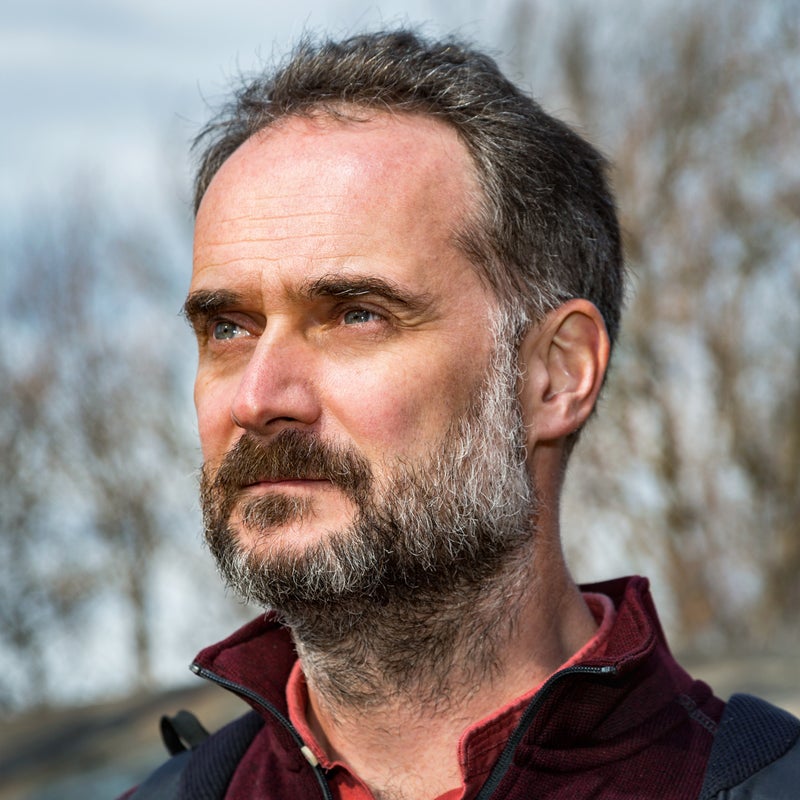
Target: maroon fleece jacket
{"x": 632, "y": 724}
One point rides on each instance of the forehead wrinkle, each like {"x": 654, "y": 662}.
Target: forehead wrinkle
{"x": 286, "y": 238}
{"x": 342, "y": 245}
{"x": 266, "y": 229}
{"x": 304, "y": 194}
{"x": 264, "y": 215}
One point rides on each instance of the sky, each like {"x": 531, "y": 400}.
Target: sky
{"x": 110, "y": 92}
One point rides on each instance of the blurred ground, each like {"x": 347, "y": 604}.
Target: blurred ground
{"x": 100, "y": 751}
{"x": 96, "y": 753}
{"x": 771, "y": 676}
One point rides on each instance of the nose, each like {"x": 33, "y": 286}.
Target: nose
{"x": 278, "y": 387}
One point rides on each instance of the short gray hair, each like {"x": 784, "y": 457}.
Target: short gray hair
{"x": 546, "y": 230}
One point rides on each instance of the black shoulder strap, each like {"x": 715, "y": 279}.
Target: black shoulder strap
{"x": 204, "y": 770}
{"x": 756, "y": 750}
{"x": 182, "y": 732}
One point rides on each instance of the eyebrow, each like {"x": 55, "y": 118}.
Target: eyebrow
{"x": 346, "y": 286}
{"x": 205, "y": 303}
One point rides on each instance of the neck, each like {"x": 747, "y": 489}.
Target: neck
{"x": 429, "y": 648}
{"x": 392, "y": 695}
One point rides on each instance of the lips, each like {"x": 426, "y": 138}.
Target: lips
{"x": 286, "y": 479}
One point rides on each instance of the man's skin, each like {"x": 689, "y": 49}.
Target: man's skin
{"x": 329, "y": 295}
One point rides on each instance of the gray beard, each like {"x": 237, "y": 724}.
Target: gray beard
{"x": 420, "y": 591}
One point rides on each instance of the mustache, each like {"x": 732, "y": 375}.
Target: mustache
{"x": 291, "y": 454}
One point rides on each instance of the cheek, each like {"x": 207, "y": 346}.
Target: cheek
{"x": 401, "y": 411}
{"x": 214, "y": 423}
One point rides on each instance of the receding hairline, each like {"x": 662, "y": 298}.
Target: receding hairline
{"x": 346, "y": 113}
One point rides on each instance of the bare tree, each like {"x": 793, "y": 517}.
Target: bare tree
{"x": 701, "y": 421}
{"x": 94, "y": 433}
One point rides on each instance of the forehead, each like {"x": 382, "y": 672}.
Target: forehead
{"x": 410, "y": 151}
{"x": 325, "y": 194}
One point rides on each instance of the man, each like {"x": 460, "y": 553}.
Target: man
{"x": 407, "y": 281}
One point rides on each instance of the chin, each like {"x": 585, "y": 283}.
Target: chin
{"x": 291, "y": 538}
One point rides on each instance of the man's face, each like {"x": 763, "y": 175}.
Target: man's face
{"x": 344, "y": 339}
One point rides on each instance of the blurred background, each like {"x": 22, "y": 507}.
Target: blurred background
{"x": 690, "y": 473}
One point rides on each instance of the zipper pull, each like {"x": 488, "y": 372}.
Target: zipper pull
{"x": 309, "y": 756}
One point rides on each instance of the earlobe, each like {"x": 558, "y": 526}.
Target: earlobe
{"x": 563, "y": 362}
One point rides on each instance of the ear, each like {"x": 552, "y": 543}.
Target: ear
{"x": 563, "y": 362}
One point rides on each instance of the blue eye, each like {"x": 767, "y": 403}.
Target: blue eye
{"x": 227, "y": 330}
{"x": 359, "y": 316}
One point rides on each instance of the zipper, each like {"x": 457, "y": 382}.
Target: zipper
{"x": 243, "y": 691}
{"x": 526, "y": 720}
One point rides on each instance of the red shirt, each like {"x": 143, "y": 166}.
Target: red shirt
{"x": 480, "y": 744}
